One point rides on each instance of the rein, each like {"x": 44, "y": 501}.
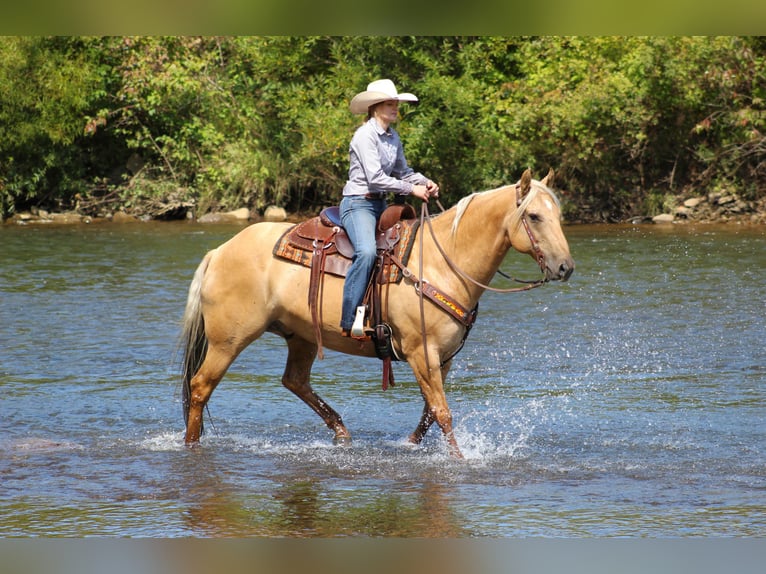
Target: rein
{"x": 468, "y": 322}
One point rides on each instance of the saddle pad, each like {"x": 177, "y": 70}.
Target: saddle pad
{"x": 338, "y": 264}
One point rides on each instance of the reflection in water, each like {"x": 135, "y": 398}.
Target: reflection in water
{"x": 212, "y": 505}
{"x": 423, "y": 511}
{"x": 307, "y": 508}
{"x": 299, "y": 509}
{"x": 310, "y": 499}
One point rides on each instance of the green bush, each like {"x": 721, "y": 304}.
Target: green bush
{"x": 222, "y": 122}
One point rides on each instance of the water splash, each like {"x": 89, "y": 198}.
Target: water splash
{"x": 495, "y": 434}
{"x": 163, "y": 442}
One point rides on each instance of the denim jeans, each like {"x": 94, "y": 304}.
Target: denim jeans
{"x": 359, "y": 217}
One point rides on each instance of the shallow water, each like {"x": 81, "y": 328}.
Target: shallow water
{"x": 627, "y": 402}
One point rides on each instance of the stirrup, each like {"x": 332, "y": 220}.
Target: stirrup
{"x": 357, "y": 329}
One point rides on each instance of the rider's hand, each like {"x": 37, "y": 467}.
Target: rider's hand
{"x": 425, "y": 192}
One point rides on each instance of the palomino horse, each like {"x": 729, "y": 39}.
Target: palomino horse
{"x": 241, "y": 290}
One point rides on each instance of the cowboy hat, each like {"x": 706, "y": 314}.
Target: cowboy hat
{"x": 378, "y": 91}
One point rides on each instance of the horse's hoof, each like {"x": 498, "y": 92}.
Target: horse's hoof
{"x": 455, "y": 453}
{"x": 342, "y": 441}
{"x": 191, "y": 440}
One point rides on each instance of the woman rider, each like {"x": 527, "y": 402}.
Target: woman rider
{"x": 377, "y": 167}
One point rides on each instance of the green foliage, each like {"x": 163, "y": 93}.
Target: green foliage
{"x": 627, "y": 122}
{"x": 45, "y": 89}
{"x": 618, "y": 116}
{"x": 658, "y": 201}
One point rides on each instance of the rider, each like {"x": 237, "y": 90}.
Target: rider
{"x": 377, "y": 167}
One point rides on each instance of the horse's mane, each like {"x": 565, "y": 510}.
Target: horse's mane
{"x": 535, "y": 188}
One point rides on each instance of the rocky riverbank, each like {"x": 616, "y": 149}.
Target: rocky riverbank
{"x": 243, "y": 214}
{"x": 710, "y": 208}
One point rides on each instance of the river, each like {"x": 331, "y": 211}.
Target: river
{"x": 629, "y": 402}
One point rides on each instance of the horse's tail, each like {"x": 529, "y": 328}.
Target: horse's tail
{"x": 193, "y": 338}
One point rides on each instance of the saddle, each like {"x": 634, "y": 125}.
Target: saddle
{"x": 322, "y": 244}
{"x": 324, "y": 234}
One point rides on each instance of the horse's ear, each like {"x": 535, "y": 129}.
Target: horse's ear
{"x": 548, "y": 179}
{"x": 526, "y": 181}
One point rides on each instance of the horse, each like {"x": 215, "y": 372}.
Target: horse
{"x": 241, "y": 290}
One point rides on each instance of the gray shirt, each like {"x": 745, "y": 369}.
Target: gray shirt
{"x": 377, "y": 163}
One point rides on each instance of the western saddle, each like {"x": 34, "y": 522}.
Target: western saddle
{"x": 322, "y": 244}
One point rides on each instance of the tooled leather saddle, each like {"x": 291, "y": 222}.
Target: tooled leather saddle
{"x": 322, "y": 244}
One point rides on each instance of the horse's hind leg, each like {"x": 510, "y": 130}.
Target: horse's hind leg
{"x": 425, "y": 423}
{"x": 202, "y": 385}
{"x": 300, "y": 358}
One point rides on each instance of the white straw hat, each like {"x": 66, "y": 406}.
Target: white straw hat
{"x": 378, "y": 91}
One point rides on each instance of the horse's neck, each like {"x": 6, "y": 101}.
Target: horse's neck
{"x": 479, "y": 243}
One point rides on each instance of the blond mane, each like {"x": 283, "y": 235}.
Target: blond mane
{"x": 535, "y": 188}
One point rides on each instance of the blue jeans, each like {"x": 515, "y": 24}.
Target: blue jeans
{"x": 359, "y": 217}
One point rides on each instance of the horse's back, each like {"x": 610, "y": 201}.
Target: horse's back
{"x": 252, "y": 246}
{"x": 256, "y": 233}
{"x": 238, "y": 276}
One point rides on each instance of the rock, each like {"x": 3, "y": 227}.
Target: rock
{"x": 210, "y": 218}
{"x": 66, "y": 218}
{"x": 122, "y": 217}
{"x": 723, "y": 200}
{"x": 682, "y": 211}
{"x": 274, "y": 213}
{"x": 663, "y": 218}
{"x": 216, "y": 218}
{"x": 693, "y": 202}
{"x": 241, "y": 214}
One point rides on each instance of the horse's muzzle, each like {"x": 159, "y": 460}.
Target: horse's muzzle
{"x": 563, "y": 273}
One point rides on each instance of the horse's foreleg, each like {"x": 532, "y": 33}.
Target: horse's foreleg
{"x": 202, "y": 384}
{"x": 439, "y": 413}
{"x": 436, "y": 408}
{"x": 300, "y": 358}
{"x": 443, "y": 417}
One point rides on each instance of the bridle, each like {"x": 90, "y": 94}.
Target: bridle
{"x": 539, "y": 255}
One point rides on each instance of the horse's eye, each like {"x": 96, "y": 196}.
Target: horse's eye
{"x": 534, "y": 217}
